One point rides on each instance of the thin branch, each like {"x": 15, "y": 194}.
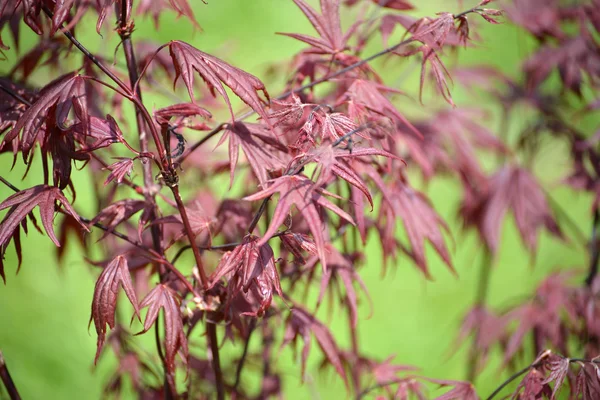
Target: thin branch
{"x": 366, "y": 391}
{"x": 9, "y": 384}
{"x": 480, "y": 301}
{"x": 125, "y": 30}
{"x": 90, "y": 56}
{"x": 211, "y": 333}
{"x": 511, "y": 378}
{"x": 16, "y": 95}
{"x": 190, "y": 234}
{"x": 594, "y": 251}
{"x": 242, "y": 362}
{"x": 169, "y": 391}
{"x": 536, "y": 364}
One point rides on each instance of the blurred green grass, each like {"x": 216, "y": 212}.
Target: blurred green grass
{"x": 44, "y": 309}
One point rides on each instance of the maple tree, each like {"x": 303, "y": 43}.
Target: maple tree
{"x": 327, "y": 165}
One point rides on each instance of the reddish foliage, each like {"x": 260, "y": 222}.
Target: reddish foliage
{"x": 323, "y": 171}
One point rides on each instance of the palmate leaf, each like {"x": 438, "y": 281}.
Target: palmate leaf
{"x": 155, "y": 8}
{"x": 118, "y": 170}
{"x": 460, "y": 390}
{"x": 21, "y": 205}
{"x": 371, "y": 95}
{"x": 60, "y": 96}
{"x": 181, "y": 110}
{"x": 23, "y": 202}
{"x": 335, "y": 161}
{"x": 215, "y": 73}
{"x": 420, "y": 220}
{"x": 118, "y": 212}
{"x": 163, "y": 297}
{"x": 259, "y": 147}
{"x": 302, "y": 323}
{"x": 104, "y": 304}
{"x": 301, "y": 191}
{"x": 250, "y": 266}
{"x": 515, "y": 189}
{"x": 327, "y": 25}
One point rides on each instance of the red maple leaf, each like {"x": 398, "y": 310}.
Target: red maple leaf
{"x": 259, "y": 146}
{"x": 300, "y": 191}
{"x": 175, "y": 340}
{"x": 104, "y": 304}
{"x": 327, "y": 25}
{"x": 250, "y": 267}
{"x": 21, "y": 205}
{"x": 215, "y": 73}
{"x": 302, "y": 323}
{"x": 118, "y": 170}
{"x": 52, "y": 107}
{"x": 460, "y": 390}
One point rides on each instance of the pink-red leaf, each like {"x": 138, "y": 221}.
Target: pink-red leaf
{"x": 104, "y": 305}
{"x": 118, "y": 170}
{"x": 302, "y": 323}
{"x": 23, "y": 202}
{"x": 182, "y": 110}
{"x": 250, "y": 266}
{"x": 215, "y": 73}
{"x": 163, "y": 297}
{"x": 300, "y": 191}
{"x": 53, "y": 106}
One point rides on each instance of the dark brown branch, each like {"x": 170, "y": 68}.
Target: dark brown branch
{"x": 130, "y": 94}
{"x": 594, "y": 251}
{"x": 191, "y": 236}
{"x": 512, "y": 378}
{"x": 242, "y": 361}
{"x": 9, "y": 384}
{"x": 90, "y": 56}
{"x": 211, "y": 333}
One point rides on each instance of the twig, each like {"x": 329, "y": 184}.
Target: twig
{"x": 240, "y": 366}
{"x": 594, "y": 251}
{"x": 366, "y": 391}
{"x": 211, "y": 332}
{"x": 536, "y": 364}
{"x": 480, "y": 301}
{"x": 9, "y": 384}
{"x": 326, "y": 78}
{"x": 191, "y": 235}
{"x": 510, "y": 379}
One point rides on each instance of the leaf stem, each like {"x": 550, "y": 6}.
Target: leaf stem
{"x": 125, "y": 26}
{"x": 9, "y": 384}
{"x": 191, "y": 236}
{"x": 90, "y": 56}
{"x": 594, "y": 251}
{"x": 240, "y": 366}
{"x": 211, "y": 333}
{"x": 480, "y": 301}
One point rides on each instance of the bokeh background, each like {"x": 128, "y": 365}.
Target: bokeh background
{"x": 45, "y": 309}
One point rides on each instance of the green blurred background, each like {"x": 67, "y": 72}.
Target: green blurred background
{"x": 44, "y": 310}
